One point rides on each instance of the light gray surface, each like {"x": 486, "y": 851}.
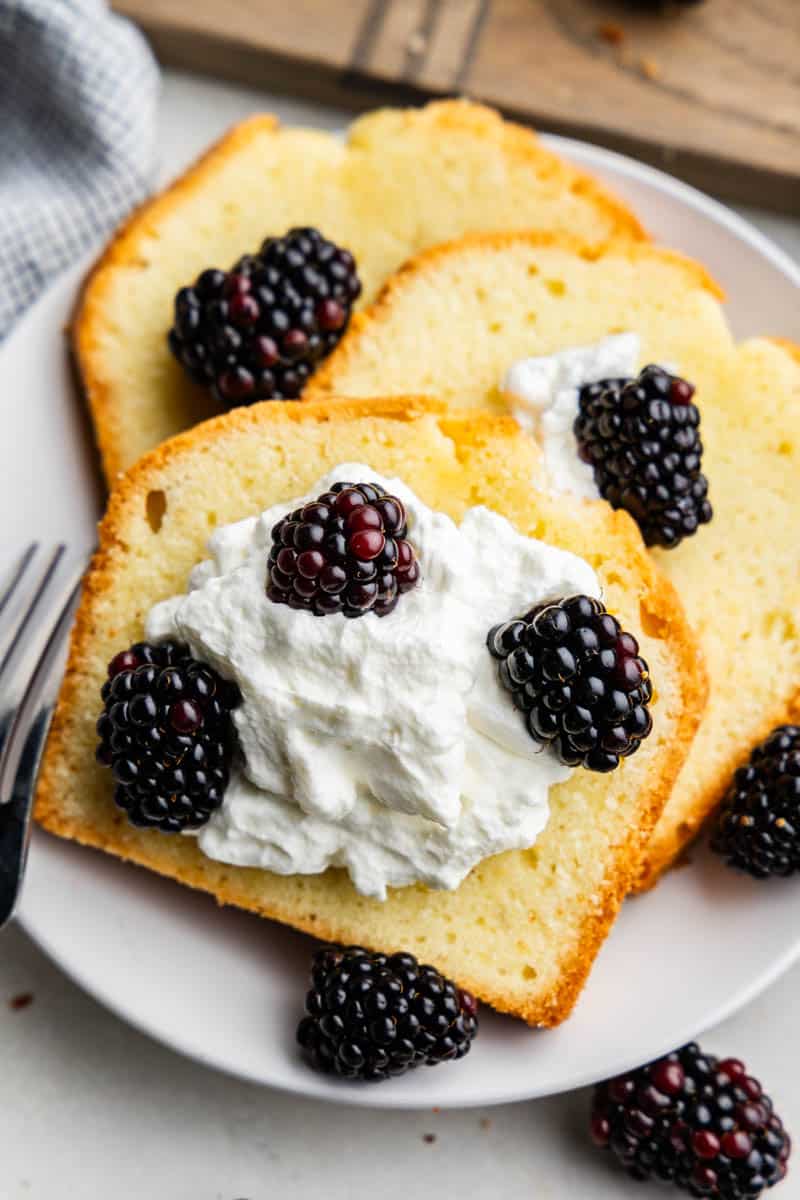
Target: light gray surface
{"x": 95, "y": 1111}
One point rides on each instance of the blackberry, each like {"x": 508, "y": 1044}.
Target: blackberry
{"x": 758, "y": 827}
{"x": 642, "y": 440}
{"x": 578, "y": 679}
{"x": 345, "y": 552}
{"x": 692, "y": 1120}
{"x": 167, "y": 735}
{"x": 373, "y": 1016}
{"x": 258, "y": 331}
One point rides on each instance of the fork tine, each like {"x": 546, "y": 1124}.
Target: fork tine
{"x": 16, "y": 572}
{"x": 34, "y": 606}
{"x": 16, "y": 591}
{"x": 27, "y": 586}
{"x": 26, "y": 733}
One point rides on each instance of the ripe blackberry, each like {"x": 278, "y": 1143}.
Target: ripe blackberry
{"x": 345, "y": 552}
{"x": 758, "y": 827}
{"x": 578, "y": 679}
{"x": 692, "y": 1120}
{"x": 258, "y": 331}
{"x": 167, "y": 735}
{"x": 372, "y": 1016}
{"x": 641, "y": 438}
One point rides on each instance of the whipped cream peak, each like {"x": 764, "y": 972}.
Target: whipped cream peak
{"x": 385, "y": 746}
{"x": 543, "y": 394}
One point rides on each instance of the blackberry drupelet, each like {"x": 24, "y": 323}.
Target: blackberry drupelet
{"x": 344, "y": 552}
{"x": 258, "y": 331}
{"x": 642, "y": 440}
{"x": 758, "y": 827}
{"x": 692, "y": 1120}
{"x": 578, "y": 679}
{"x": 373, "y": 1016}
{"x": 167, "y": 735}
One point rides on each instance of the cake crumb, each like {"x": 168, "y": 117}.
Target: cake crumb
{"x": 650, "y": 68}
{"x": 429, "y": 1138}
{"x": 611, "y": 32}
{"x": 20, "y": 1001}
{"x": 486, "y": 1123}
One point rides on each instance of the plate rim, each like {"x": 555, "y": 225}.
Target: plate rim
{"x": 337, "y": 1091}
{"x": 594, "y": 157}
{"x": 588, "y": 153}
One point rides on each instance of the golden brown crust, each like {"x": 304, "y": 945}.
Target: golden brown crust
{"x": 88, "y": 323}
{"x": 632, "y": 250}
{"x": 694, "y": 681}
{"x": 791, "y": 348}
{"x": 665, "y": 849}
{"x": 668, "y": 840}
{"x": 181, "y": 860}
{"x": 520, "y": 142}
{"x": 122, "y": 251}
{"x": 327, "y": 378}
{"x": 396, "y": 408}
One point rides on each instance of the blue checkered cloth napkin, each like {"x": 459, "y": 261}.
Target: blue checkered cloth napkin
{"x": 78, "y": 93}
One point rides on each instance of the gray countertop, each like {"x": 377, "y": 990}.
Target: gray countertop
{"x": 94, "y": 1110}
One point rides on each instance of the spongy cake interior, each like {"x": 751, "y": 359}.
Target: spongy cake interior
{"x": 523, "y": 929}
{"x": 454, "y": 321}
{"x": 456, "y": 317}
{"x": 403, "y": 180}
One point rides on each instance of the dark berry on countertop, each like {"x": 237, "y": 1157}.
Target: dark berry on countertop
{"x": 690, "y": 1119}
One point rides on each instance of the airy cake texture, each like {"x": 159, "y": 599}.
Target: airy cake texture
{"x": 403, "y": 180}
{"x": 451, "y": 323}
{"x": 522, "y": 931}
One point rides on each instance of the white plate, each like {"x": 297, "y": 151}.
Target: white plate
{"x": 227, "y": 988}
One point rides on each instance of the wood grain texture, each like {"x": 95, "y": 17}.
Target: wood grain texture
{"x": 712, "y": 93}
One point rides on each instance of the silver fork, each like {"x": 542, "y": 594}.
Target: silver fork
{"x": 36, "y": 609}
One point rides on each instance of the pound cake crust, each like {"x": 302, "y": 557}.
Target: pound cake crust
{"x": 368, "y": 194}
{"x": 769, "y": 376}
{"x": 485, "y": 301}
{"x": 480, "y": 275}
{"x": 523, "y": 929}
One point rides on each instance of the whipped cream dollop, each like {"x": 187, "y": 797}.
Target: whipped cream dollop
{"x": 386, "y": 746}
{"x": 543, "y": 395}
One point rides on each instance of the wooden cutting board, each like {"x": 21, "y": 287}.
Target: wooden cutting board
{"x": 711, "y": 93}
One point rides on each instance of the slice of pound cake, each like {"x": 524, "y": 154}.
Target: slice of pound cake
{"x": 401, "y": 181}
{"x": 408, "y": 726}
{"x": 478, "y": 322}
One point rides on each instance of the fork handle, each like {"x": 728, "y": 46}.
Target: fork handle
{"x": 18, "y": 769}
{"x": 26, "y": 646}
{"x": 15, "y": 814}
